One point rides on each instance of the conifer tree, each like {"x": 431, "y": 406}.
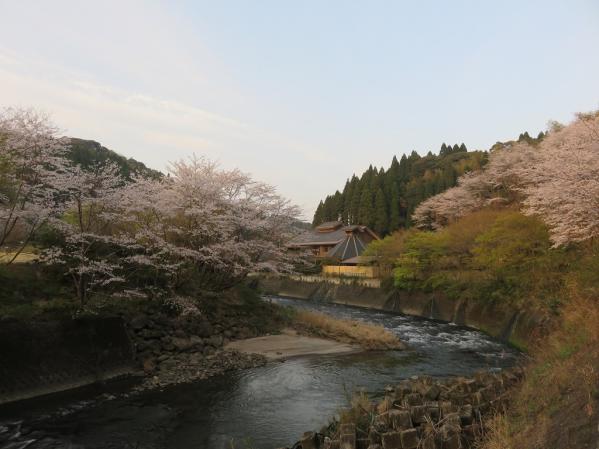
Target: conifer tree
{"x": 366, "y": 212}
{"x": 394, "y": 212}
{"x": 318, "y": 215}
{"x": 355, "y": 202}
{"x": 381, "y": 221}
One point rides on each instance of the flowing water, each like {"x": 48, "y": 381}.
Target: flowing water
{"x": 261, "y": 408}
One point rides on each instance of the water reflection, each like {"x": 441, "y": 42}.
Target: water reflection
{"x": 271, "y": 405}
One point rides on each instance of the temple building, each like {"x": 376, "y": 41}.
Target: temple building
{"x": 335, "y": 241}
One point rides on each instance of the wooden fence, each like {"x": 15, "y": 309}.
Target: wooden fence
{"x": 353, "y": 271}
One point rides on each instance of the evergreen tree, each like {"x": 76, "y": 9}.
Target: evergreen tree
{"x": 355, "y": 202}
{"x": 346, "y": 199}
{"x": 394, "y": 209}
{"x": 366, "y": 212}
{"x": 384, "y": 199}
{"x": 381, "y": 221}
{"x": 318, "y": 215}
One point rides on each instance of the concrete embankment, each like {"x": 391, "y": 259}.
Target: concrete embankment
{"x": 502, "y": 321}
{"x": 420, "y": 413}
{"x": 39, "y": 358}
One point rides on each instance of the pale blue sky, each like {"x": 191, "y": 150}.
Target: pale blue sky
{"x": 304, "y": 93}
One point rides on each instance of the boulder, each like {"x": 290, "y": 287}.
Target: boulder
{"x": 203, "y": 329}
{"x": 149, "y": 365}
{"x": 216, "y": 341}
{"x": 139, "y": 322}
{"x": 181, "y": 344}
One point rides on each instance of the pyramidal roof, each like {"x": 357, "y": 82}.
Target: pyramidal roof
{"x": 351, "y": 246}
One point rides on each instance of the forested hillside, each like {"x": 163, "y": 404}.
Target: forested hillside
{"x": 385, "y": 199}
{"x": 89, "y": 153}
{"x": 522, "y": 233}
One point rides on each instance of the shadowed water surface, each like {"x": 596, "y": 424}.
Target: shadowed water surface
{"x": 261, "y": 408}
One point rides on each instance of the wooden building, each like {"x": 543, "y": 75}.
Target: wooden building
{"x": 333, "y": 240}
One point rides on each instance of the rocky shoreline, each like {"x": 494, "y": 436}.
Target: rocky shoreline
{"x": 420, "y": 413}
{"x": 182, "y": 349}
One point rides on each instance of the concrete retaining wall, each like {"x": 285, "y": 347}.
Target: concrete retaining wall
{"x": 45, "y": 357}
{"x": 514, "y": 326}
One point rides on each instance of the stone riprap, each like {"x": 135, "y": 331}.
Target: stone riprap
{"x": 185, "y": 349}
{"x": 422, "y": 413}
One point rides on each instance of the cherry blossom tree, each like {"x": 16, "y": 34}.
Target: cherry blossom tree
{"x": 446, "y": 207}
{"x": 563, "y": 187}
{"x": 556, "y": 179}
{"x": 32, "y": 169}
{"x": 206, "y": 225}
{"x": 90, "y": 249}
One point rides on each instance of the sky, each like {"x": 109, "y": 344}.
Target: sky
{"x": 301, "y": 94}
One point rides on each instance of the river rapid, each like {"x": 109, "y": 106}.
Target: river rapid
{"x": 259, "y": 408}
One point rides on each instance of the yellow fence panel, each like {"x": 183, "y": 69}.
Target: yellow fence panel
{"x": 351, "y": 271}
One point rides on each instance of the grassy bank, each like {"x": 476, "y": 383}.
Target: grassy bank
{"x": 368, "y": 336}
{"x": 556, "y": 405}
{"x": 499, "y": 256}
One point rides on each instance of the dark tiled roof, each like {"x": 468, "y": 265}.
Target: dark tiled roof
{"x": 329, "y": 225}
{"x": 351, "y": 246}
{"x": 357, "y": 238}
{"x": 314, "y": 237}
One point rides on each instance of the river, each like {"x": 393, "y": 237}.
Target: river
{"x": 260, "y": 408}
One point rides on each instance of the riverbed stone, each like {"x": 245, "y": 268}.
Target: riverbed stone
{"x": 181, "y": 344}
{"x": 149, "y": 365}
{"x": 409, "y": 439}
{"x": 139, "y": 322}
{"x": 216, "y": 341}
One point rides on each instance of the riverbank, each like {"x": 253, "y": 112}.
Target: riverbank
{"x": 154, "y": 340}
{"x": 264, "y": 407}
{"x": 516, "y": 326}
{"x": 421, "y": 412}
{"x": 555, "y": 405}
{"x": 290, "y": 344}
